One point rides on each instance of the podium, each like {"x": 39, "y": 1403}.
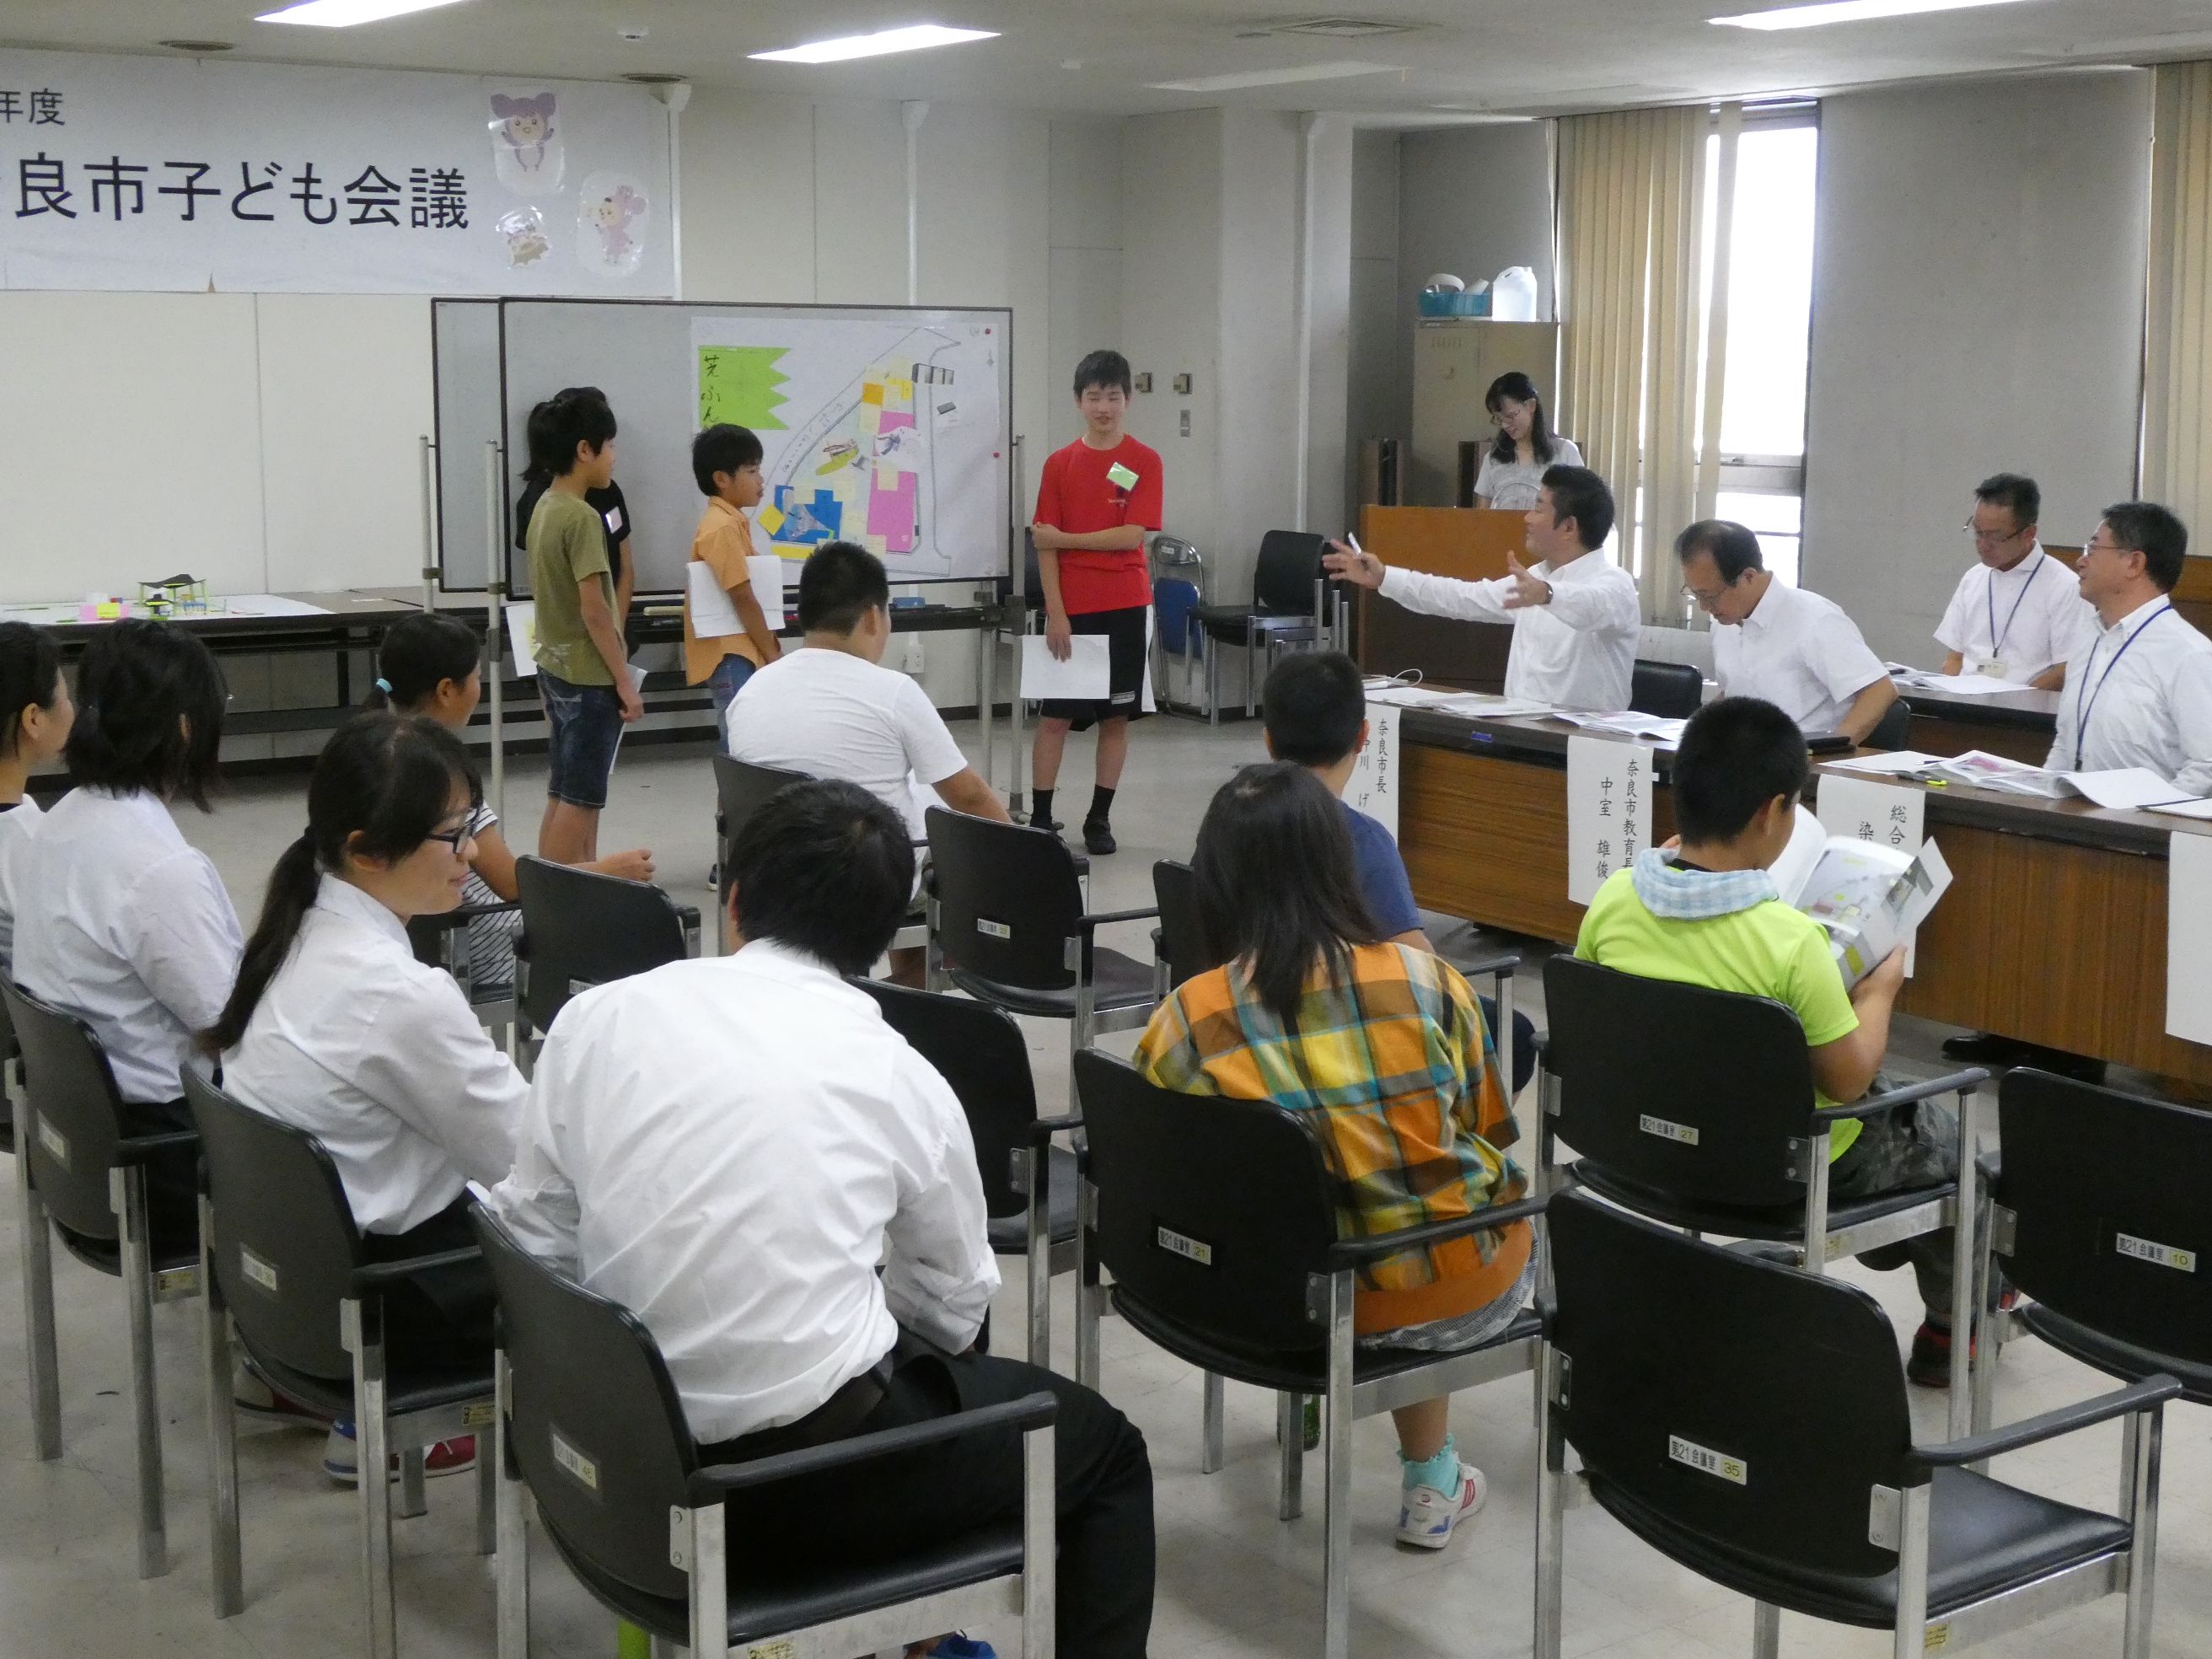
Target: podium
{"x": 1468, "y": 542}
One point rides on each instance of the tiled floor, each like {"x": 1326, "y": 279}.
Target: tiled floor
{"x": 1233, "y": 1581}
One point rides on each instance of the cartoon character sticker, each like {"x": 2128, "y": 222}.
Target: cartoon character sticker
{"x": 523, "y": 232}
{"x": 526, "y": 144}
{"x": 612, "y": 214}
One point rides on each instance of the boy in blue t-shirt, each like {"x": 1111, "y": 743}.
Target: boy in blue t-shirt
{"x": 1316, "y": 716}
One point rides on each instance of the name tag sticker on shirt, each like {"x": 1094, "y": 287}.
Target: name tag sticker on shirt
{"x": 1120, "y": 475}
{"x": 256, "y": 1271}
{"x": 990, "y": 929}
{"x": 614, "y": 521}
{"x": 1707, "y": 1461}
{"x": 55, "y": 1142}
{"x": 1683, "y": 1135}
{"x": 1190, "y": 1249}
{"x": 2162, "y": 1255}
{"x": 574, "y": 1461}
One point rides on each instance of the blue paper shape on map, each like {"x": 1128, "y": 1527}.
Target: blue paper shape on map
{"x": 808, "y": 523}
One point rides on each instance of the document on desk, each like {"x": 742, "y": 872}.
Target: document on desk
{"x": 2182, "y": 809}
{"x": 1087, "y": 673}
{"x": 1953, "y": 685}
{"x": 1887, "y": 814}
{"x": 1608, "y": 811}
{"x": 1373, "y": 787}
{"x": 1896, "y": 763}
{"x": 2188, "y": 941}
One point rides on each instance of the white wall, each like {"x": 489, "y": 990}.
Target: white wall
{"x": 1327, "y": 479}
{"x": 1977, "y": 302}
{"x": 1259, "y": 333}
{"x": 1086, "y": 265}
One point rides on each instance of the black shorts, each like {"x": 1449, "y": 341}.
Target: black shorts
{"x": 1126, "y": 642}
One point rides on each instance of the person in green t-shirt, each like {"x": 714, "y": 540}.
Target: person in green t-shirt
{"x": 583, "y": 673}
{"x": 1706, "y": 912}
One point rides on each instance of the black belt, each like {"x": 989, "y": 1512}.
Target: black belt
{"x": 837, "y": 1418}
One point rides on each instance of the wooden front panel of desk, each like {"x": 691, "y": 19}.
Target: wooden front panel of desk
{"x": 1468, "y": 544}
{"x": 2045, "y": 941}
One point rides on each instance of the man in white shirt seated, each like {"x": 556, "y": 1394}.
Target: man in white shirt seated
{"x": 2017, "y": 613}
{"x": 1790, "y": 648}
{"x": 830, "y": 710}
{"x": 726, "y": 1146}
{"x": 1575, "y": 617}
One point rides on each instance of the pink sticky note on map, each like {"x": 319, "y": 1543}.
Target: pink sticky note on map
{"x": 890, "y": 513}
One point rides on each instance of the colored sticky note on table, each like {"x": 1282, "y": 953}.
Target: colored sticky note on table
{"x": 872, "y": 392}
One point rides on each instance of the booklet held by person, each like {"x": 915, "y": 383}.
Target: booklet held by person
{"x": 1867, "y": 897}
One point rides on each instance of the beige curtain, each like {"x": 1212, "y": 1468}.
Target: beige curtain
{"x": 2177, "y": 461}
{"x": 1632, "y": 190}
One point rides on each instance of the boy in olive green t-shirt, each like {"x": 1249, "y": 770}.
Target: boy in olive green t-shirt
{"x": 583, "y": 673}
{"x": 1707, "y": 913}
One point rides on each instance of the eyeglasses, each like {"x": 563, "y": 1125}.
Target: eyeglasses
{"x": 1992, "y": 537}
{"x": 1708, "y": 600}
{"x": 455, "y": 839}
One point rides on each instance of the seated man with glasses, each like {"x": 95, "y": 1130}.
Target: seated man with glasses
{"x": 2017, "y": 613}
{"x": 1790, "y": 648}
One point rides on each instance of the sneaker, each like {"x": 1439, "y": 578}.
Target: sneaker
{"x": 254, "y": 1398}
{"x": 1098, "y": 836}
{"x": 341, "y": 1456}
{"x": 959, "y": 1645}
{"x": 1427, "y": 1516}
{"x": 713, "y": 878}
{"x": 1929, "y": 1363}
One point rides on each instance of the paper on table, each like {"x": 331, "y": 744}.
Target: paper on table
{"x": 1957, "y": 685}
{"x": 2125, "y": 786}
{"x": 1373, "y": 786}
{"x": 1608, "y": 811}
{"x": 1087, "y": 673}
{"x": 2183, "y": 809}
{"x": 266, "y": 604}
{"x": 1887, "y": 814}
{"x": 1902, "y": 760}
{"x": 2188, "y": 941}
{"x": 522, "y": 637}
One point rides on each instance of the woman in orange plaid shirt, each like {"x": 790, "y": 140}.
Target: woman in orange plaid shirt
{"x": 1314, "y": 1011}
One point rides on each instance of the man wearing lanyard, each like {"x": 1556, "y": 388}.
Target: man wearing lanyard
{"x": 2017, "y": 614}
{"x": 2140, "y": 694}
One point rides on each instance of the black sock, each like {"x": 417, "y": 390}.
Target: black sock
{"x": 1042, "y": 813}
{"x": 1101, "y": 804}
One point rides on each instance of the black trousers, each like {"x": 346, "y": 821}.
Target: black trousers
{"x": 896, "y": 1505}
{"x": 172, "y": 1178}
{"x": 444, "y": 1317}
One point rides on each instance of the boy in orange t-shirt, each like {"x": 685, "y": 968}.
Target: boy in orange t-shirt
{"x": 726, "y": 462}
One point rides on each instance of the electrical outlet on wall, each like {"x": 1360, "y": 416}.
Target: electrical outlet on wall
{"x": 1185, "y": 423}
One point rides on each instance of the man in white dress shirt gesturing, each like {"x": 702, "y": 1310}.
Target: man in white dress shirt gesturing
{"x": 1576, "y": 618}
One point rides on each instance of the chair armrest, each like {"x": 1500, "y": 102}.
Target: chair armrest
{"x": 1041, "y": 1132}
{"x": 461, "y": 915}
{"x": 709, "y": 1485}
{"x": 2152, "y": 1390}
{"x": 1488, "y": 967}
{"x": 688, "y": 914}
{"x": 1971, "y": 1078}
{"x": 1360, "y": 1252}
{"x": 375, "y": 1275}
{"x": 144, "y": 1149}
{"x": 1088, "y": 924}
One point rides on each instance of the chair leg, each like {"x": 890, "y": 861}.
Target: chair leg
{"x": 1551, "y": 1513}
{"x": 1966, "y": 1303}
{"x": 708, "y": 1565}
{"x": 38, "y": 1300}
{"x": 128, "y": 1188}
{"x": 487, "y": 1496}
{"x": 1036, "y": 1257}
{"x": 373, "y": 1451}
{"x": 412, "y": 1500}
{"x": 1291, "y": 1432}
{"x": 1040, "y": 1531}
{"x": 513, "y": 1522}
{"x": 225, "y": 1569}
{"x": 2146, "y": 1437}
{"x": 1766, "y": 1631}
{"x": 1910, "y": 1637}
{"x": 1336, "y": 1546}
{"x": 1213, "y": 684}
{"x": 1209, "y": 1436}
{"x": 1086, "y": 1305}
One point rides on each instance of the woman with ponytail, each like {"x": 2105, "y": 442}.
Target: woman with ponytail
{"x": 335, "y": 1028}
{"x": 428, "y": 665}
{"x": 35, "y": 723}
{"x": 118, "y": 919}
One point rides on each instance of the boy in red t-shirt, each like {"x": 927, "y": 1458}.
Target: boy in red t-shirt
{"x": 1099, "y": 499}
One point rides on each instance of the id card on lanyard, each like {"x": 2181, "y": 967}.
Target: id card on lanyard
{"x": 1995, "y": 666}
{"x": 2091, "y": 694}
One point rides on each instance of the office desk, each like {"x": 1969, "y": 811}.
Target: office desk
{"x": 2018, "y": 725}
{"x": 2054, "y": 930}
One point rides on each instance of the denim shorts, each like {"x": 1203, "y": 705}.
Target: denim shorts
{"x": 583, "y": 729}
{"x": 728, "y": 679}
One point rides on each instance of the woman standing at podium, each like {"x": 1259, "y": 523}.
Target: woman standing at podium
{"x": 1513, "y": 467}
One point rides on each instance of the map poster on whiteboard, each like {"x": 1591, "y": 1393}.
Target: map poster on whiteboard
{"x": 1608, "y": 811}
{"x": 885, "y": 433}
{"x": 1373, "y": 786}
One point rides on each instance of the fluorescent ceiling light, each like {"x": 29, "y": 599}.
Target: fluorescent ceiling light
{"x": 344, "y": 14}
{"x": 1845, "y": 11}
{"x": 1275, "y": 77}
{"x": 875, "y": 46}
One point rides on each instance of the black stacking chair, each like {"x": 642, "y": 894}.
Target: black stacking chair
{"x": 11, "y": 1080}
{"x": 1286, "y": 608}
{"x": 442, "y": 941}
{"x": 1894, "y": 730}
{"x": 580, "y": 929}
{"x": 740, "y": 789}
{"x": 77, "y": 1167}
{"x": 1180, "y": 948}
{"x": 1694, "y": 1106}
{"x": 1218, "y": 1221}
{"x": 604, "y": 1450}
{"x": 287, "y": 1275}
{"x": 1670, "y": 690}
{"x": 2098, "y": 1214}
{"x": 1749, "y": 1422}
{"x": 1008, "y": 926}
{"x": 1029, "y": 1183}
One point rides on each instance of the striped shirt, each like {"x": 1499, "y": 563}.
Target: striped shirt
{"x": 1390, "y": 1051}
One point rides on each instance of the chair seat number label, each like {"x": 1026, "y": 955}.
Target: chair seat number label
{"x": 1683, "y": 1135}
{"x": 256, "y": 1271}
{"x": 574, "y": 1462}
{"x": 1710, "y": 1462}
{"x": 990, "y": 929}
{"x": 55, "y": 1142}
{"x": 1190, "y": 1249}
{"x": 479, "y": 1415}
{"x": 2162, "y": 1255}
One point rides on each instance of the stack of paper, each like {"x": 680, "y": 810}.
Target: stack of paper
{"x": 1627, "y": 723}
{"x": 1900, "y": 763}
{"x": 1956, "y": 686}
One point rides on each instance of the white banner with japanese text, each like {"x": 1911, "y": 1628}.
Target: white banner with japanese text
{"x": 123, "y": 171}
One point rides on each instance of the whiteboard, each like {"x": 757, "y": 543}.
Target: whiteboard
{"x": 888, "y": 426}
{"x": 465, "y": 348}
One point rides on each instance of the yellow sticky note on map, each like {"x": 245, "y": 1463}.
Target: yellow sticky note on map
{"x": 903, "y": 389}
{"x": 872, "y": 392}
{"x": 771, "y": 519}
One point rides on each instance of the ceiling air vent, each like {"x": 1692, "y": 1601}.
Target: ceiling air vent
{"x": 1340, "y": 28}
